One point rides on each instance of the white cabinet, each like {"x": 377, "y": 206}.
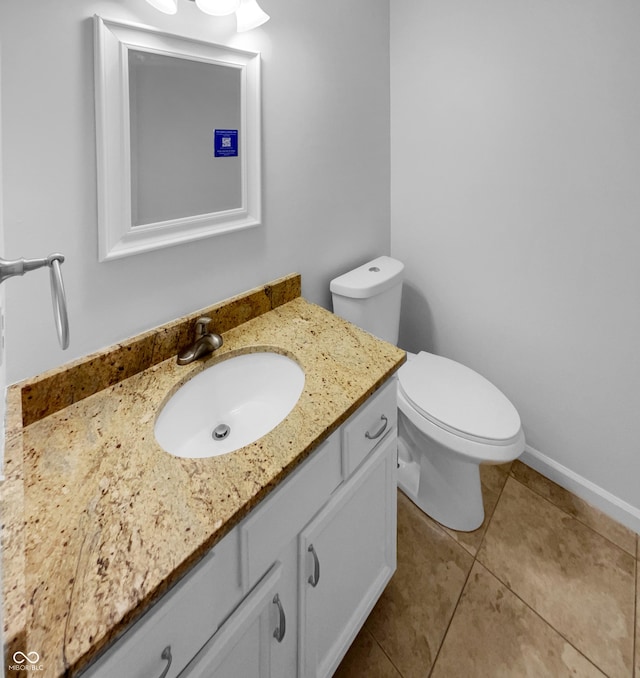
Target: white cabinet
{"x": 284, "y": 655}
{"x": 287, "y": 590}
{"x": 280, "y": 517}
{"x": 172, "y": 632}
{"x": 370, "y": 424}
{"x": 270, "y": 533}
{"x": 347, "y": 556}
{"x": 242, "y": 646}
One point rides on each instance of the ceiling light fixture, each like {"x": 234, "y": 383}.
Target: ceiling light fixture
{"x": 249, "y": 14}
{"x": 166, "y": 6}
{"x": 218, "y": 7}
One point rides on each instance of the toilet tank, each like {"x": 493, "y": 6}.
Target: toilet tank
{"x": 369, "y": 296}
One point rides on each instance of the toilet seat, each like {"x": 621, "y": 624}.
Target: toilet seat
{"x": 458, "y": 400}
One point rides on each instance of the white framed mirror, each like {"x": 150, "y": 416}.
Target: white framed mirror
{"x": 178, "y": 139}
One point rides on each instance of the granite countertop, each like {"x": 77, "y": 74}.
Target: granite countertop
{"x": 108, "y": 521}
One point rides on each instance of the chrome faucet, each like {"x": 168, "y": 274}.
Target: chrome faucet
{"x": 205, "y": 343}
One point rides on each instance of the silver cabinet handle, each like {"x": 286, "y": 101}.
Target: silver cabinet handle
{"x": 380, "y": 431}
{"x": 166, "y": 655}
{"x": 315, "y": 577}
{"x": 278, "y": 634}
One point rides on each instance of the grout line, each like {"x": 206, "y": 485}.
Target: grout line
{"x": 455, "y": 609}
{"x": 466, "y": 581}
{"x": 524, "y": 602}
{"x": 578, "y": 520}
{"x": 495, "y": 508}
{"x": 635, "y": 643}
{"x": 633, "y": 631}
{"x": 475, "y": 558}
{"x": 375, "y": 640}
{"x": 635, "y": 638}
{"x": 545, "y": 621}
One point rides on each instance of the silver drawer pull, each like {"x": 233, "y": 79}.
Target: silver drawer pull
{"x": 166, "y": 655}
{"x": 278, "y": 634}
{"x": 380, "y": 431}
{"x": 315, "y": 577}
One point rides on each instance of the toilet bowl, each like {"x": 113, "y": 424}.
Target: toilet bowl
{"x": 450, "y": 418}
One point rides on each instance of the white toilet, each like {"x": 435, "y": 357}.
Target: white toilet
{"x": 450, "y": 419}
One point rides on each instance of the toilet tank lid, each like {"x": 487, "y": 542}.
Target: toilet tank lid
{"x": 370, "y": 279}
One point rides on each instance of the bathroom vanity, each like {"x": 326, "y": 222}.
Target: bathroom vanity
{"x": 121, "y": 559}
{"x": 286, "y": 591}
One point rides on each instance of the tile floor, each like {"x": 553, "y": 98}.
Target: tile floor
{"x": 548, "y": 586}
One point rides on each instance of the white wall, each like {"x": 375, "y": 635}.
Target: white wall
{"x": 3, "y": 361}
{"x": 325, "y": 167}
{"x": 516, "y": 207}
{"x": 515, "y": 170}
{"x": 3, "y": 376}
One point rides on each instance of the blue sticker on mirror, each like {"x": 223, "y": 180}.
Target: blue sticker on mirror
{"x": 225, "y": 142}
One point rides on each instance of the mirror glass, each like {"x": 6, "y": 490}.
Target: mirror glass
{"x": 178, "y": 139}
{"x": 175, "y": 107}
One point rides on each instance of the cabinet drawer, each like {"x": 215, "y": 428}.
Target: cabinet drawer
{"x": 281, "y": 516}
{"x": 183, "y": 620}
{"x": 368, "y": 426}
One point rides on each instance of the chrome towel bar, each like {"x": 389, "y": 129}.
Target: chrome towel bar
{"x": 9, "y": 268}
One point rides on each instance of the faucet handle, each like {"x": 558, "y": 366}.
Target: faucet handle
{"x": 201, "y": 326}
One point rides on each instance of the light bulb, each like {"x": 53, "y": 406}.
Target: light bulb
{"x": 250, "y": 15}
{"x": 218, "y": 7}
{"x": 166, "y": 6}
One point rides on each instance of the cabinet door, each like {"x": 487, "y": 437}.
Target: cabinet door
{"x": 242, "y": 646}
{"x": 284, "y": 655}
{"x": 347, "y": 555}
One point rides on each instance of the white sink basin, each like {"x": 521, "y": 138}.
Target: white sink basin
{"x": 229, "y": 405}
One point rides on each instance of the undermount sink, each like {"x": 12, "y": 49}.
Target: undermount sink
{"x": 229, "y": 405}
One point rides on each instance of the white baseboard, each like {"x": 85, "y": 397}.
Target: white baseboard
{"x": 608, "y": 503}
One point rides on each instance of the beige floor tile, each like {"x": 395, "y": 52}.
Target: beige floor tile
{"x": 494, "y": 476}
{"x": 470, "y": 541}
{"x": 365, "y": 658}
{"x": 411, "y": 617}
{"x": 493, "y": 479}
{"x": 579, "y": 582}
{"x": 576, "y": 507}
{"x": 493, "y": 633}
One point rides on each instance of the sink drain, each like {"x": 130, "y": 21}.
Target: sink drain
{"x": 220, "y": 432}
